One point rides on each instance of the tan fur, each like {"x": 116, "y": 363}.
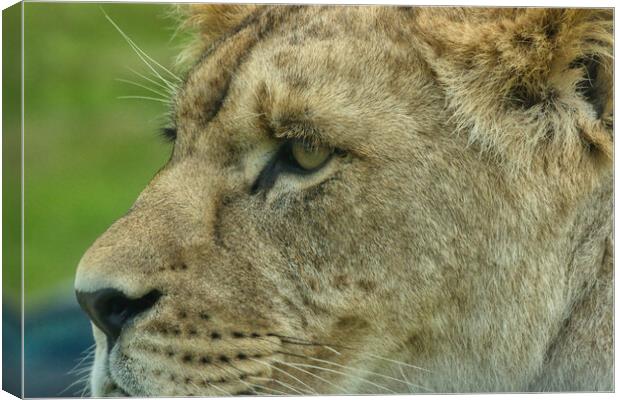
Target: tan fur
{"x": 210, "y": 22}
{"x": 465, "y": 229}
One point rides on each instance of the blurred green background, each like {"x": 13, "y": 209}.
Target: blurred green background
{"x": 88, "y": 153}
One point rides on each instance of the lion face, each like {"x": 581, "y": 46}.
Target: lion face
{"x": 323, "y": 225}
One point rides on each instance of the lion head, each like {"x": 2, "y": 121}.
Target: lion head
{"x": 369, "y": 200}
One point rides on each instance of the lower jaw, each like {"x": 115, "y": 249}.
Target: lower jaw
{"x": 114, "y": 390}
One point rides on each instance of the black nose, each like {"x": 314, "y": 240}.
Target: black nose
{"x": 110, "y": 309}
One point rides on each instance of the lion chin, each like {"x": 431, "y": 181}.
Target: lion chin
{"x": 369, "y": 200}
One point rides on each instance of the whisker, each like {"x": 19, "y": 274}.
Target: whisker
{"x": 332, "y": 350}
{"x": 287, "y": 386}
{"x": 259, "y": 393}
{"x": 142, "y": 86}
{"x": 293, "y": 340}
{"x": 221, "y": 367}
{"x": 315, "y": 375}
{"x": 256, "y": 377}
{"x": 81, "y": 361}
{"x": 198, "y": 388}
{"x": 287, "y": 341}
{"x": 80, "y": 381}
{"x": 133, "y": 44}
{"x": 144, "y": 98}
{"x": 140, "y": 53}
{"x": 85, "y": 391}
{"x": 355, "y": 369}
{"x": 302, "y": 342}
{"x": 89, "y": 352}
{"x": 218, "y": 388}
{"x": 270, "y": 389}
{"x": 345, "y": 374}
{"x": 398, "y": 362}
{"x": 71, "y": 385}
{"x": 402, "y": 373}
{"x": 176, "y": 31}
{"x": 89, "y": 349}
{"x": 206, "y": 381}
{"x": 82, "y": 372}
{"x": 154, "y": 82}
{"x": 286, "y": 373}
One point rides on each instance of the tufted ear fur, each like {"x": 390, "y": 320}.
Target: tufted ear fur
{"x": 527, "y": 84}
{"x": 209, "y": 22}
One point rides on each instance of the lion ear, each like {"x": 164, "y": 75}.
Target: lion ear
{"x": 594, "y": 86}
{"x": 581, "y": 71}
{"x": 528, "y": 81}
{"x": 208, "y": 22}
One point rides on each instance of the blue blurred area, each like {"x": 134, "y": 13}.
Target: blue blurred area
{"x": 11, "y": 348}
{"x": 56, "y": 339}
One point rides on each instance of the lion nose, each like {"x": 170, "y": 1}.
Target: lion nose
{"x": 110, "y": 309}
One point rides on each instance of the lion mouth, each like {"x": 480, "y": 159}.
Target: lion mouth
{"x": 184, "y": 358}
{"x": 243, "y": 384}
{"x": 229, "y": 363}
{"x": 234, "y": 364}
{"x": 109, "y": 386}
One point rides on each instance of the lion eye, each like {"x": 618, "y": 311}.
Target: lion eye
{"x": 309, "y": 157}
{"x": 294, "y": 157}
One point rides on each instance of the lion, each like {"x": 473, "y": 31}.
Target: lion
{"x": 369, "y": 200}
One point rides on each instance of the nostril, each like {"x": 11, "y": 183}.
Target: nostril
{"x": 111, "y": 309}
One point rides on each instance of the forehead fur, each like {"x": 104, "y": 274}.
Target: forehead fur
{"x": 210, "y": 22}
{"x": 526, "y": 85}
